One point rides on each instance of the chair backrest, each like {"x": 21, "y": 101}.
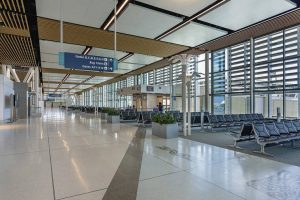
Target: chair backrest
{"x": 282, "y": 128}
{"x": 228, "y": 118}
{"x": 235, "y": 118}
{"x": 212, "y": 119}
{"x": 242, "y": 117}
{"x": 297, "y": 125}
{"x": 132, "y": 114}
{"x": 146, "y": 116}
{"x": 246, "y": 130}
{"x": 273, "y": 130}
{"x": 197, "y": 119}
{"x": 260, "y": 130}
{"x": 260, "y": 116}
{"x": 290, "y": 126}
{"x": 255, "y": 117}
{"x": 220, "y": 118}
{"x": 249, "y": 117}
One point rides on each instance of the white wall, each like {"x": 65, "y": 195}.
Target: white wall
{"x": 6, "y": 89}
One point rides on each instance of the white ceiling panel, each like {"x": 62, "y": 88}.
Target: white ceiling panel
{"x": 128, "y": 67}
{"x": 184, "y": 7}
{"x": 52, "y": 77}
{"x": 77, "y": 78}
{"x": 106, "y": 53}
{"x": 193, "y": 34}
{"x": 143, "y": 22}
{"x": 88, "y": 12}
{"x": 68, "y": 85}
{"x": 141, "y": 59}
{"x": 98, "y": 79}
{"x": 237, "y": 14}
{"x": 50, "y": 50}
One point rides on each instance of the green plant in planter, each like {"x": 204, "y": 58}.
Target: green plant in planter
{"x": 113, "y": 112}
{"x": 164, "y": 118}
{"x": 105, "y": 110}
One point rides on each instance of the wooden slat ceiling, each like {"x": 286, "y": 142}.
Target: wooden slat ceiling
{"x": 88, "y": 36}
{"x": 15, "y": 43}
{"x": 286, "y": 20}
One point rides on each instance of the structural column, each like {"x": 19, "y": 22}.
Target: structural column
{"x": 196, "y": 88}
{"x": 206, "y": 81}
{"x": 154, "y": 77}
{"x": 184, "y": 65}
{"x": 298, "y": 71}
{"x": 188, "y": 86}
{"x": 36, "y": 85}
{"x": 171, "y": 88}
{"x": 252, "y": 97}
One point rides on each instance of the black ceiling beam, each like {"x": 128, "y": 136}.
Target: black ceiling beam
{"x": 31, "y": 15}
{"x": 112, "y": 13}
{"x": 183, "y": 17}
{"x": 297, "y": 2}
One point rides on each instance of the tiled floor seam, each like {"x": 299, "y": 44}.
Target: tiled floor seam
{"x": 171, "y": 173}
{"x": 76, "y": 195}
{"x": 22, "y": 153}
{"x": 51, "y": 170}
{"x": 213, "y": 163}
{"x": 205, "y": 180}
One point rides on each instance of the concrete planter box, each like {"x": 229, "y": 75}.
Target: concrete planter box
{"x": 104, "y": 116}
{"x": 112, "y": 119}
{"x": 166, "y": 131}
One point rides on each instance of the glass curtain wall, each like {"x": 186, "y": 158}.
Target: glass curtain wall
{"x": 219, "y": 78}
{"x": 276, "y": 76}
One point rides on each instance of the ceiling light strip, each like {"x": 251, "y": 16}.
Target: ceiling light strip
{"x": 118, "y": 11}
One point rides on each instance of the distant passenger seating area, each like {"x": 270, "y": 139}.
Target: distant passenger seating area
{"x": 231, "y": 120}
{"x": 128, "y": 115}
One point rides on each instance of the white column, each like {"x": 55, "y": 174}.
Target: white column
{"x": 252, "y": 97}
{"x": 154, "y": 77}
{"x": 184, "y": 59}
{"x": 206, "y": 81}
{"x": 188, "y": 85}
{"x": 183, "y": 89}
{"x": 36, "y": 85}
{"x": 14, "y": 74}
{"x": 171, "y": 88}
{"x": 4, "y": 70}
{"x": 7, "y": 72}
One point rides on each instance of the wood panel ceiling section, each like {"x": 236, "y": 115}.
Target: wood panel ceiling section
{"x": 15, "y": 43}
{"x": 88, "y": 36}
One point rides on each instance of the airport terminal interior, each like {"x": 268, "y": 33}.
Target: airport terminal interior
{"x": 150, "y": 99}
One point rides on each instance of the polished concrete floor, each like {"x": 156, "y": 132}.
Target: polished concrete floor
{"x": 76, "y": 156}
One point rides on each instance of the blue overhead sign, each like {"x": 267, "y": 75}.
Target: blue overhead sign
{"x": 87, "y": 62}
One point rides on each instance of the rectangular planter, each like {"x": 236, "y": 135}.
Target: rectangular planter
{"x": 104, "y": 116}
{"x": 113, "y": 119}
{"x": 166, "y": 131}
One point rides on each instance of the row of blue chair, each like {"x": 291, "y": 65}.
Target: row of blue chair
{"x": 270, "y": 132}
